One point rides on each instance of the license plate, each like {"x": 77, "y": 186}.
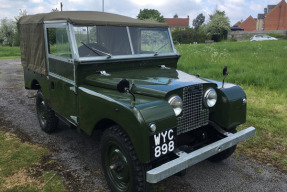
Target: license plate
{"x": 163, "y": 142}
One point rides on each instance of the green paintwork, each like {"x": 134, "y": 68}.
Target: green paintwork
{"x": 103, "y": 104}
{"x": 98, "y": 99}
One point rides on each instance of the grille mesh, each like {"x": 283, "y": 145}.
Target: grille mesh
{"x": 193, "y": 115}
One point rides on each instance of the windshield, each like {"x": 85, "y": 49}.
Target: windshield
{"x": 94, "y": 41}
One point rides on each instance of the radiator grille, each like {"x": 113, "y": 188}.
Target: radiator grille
{"x": 193, "y": 115}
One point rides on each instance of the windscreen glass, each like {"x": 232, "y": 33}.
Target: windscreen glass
{"x": 150, "y": 40}
{"x": 94, "y": 41}
{"x": 102, "y": 40}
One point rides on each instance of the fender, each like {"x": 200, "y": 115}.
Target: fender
{"x": 230, "y": 109}
{"x": 133, "y": 118}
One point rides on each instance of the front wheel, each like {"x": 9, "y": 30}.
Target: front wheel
{"x": 122, "y": 169}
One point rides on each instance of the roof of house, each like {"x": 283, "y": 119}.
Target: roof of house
{"x": 260, "y": 16}
{"x": 270, "y": 7}
{"x": 249, "y": 24}
{"x": 237, "y": 24}
{"x": 279, "y": 4}
{"x": 177, "y": 22}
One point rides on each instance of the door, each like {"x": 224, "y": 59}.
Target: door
{"x": 61, "y": 71}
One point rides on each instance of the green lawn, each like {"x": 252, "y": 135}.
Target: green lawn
{"x": 9, "y": 52}
{"x": 22, "y": 167}
{"x": 260, "y": 68}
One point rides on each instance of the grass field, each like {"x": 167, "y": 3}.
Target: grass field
{"x": 22, "y": 167}
{"x": 260, "y": 68}
{"x": 9, "y": 52}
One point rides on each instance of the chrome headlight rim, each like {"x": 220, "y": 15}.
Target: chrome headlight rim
{"x": 176, "y": 103}
{"x": 210, "y": 98}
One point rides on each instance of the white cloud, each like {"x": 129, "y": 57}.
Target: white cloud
{"x": 234, "y": 9}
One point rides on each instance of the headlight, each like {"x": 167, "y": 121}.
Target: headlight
{"x": 210, "y": 98}
{"x": 176, "y": 103}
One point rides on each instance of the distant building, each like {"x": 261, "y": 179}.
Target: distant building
{"x": 273, "y": 18}
{"x": 249, "y": 24}
{"x": 237, "y": 24}
{"x": 276, "y": 19}
{"x": 181, "y": 23}
{"x": 260, "y": 22}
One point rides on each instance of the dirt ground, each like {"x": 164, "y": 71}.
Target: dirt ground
{"x": 80, "y": 155}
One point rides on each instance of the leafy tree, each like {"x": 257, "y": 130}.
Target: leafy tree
{"x": 150, "y": 15}
{"x": 198, "y": 21}
{"x": 22, "y": 13}
{"x": 219, "y": 26}
{"x": 7, "y": 31}
{"x": 175, "y": 16}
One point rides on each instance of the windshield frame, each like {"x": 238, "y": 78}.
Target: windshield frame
{"x": 120, "y": 57}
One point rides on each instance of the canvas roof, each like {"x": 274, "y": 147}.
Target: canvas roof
{"x": 89, "y": 18}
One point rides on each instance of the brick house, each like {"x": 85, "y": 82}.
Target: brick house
{"x": 276, "y": 19}
{"x": 181, "y": 23}
{"x": 273, "y": 18}
{"x": 249, "y": 24}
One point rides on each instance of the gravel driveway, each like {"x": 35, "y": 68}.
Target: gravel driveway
{"x": 80, "y": 154}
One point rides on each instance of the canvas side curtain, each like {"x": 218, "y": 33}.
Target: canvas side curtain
{"x": 33, "y": 47}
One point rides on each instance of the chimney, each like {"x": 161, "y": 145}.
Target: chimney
{"x": 265, "y": 11}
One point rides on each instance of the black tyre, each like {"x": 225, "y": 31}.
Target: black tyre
{"x": 122, "y": 169}
{"x": 224, "y": 154}
{"x": 46, "y": 116}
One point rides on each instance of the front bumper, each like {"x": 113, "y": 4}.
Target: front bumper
{"x": 186, "y": 160}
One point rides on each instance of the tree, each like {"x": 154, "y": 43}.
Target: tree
{"x": 150, "y": 15}
{"x": 21, "y": 14}
{"x": 198, "y": 21}
{"x": 7, "y": 31}
{"x": 218, "y": 26}
{"x": 16, "y": 40}
{"x": 175, "y": 16}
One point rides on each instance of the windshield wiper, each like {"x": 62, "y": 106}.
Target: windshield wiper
{"x": 157, "y": 51}
{"x": 96, "y": 50}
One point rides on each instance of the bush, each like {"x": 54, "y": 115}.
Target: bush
{"x": 277, "y": 35}
{"x": 189, "y": 35}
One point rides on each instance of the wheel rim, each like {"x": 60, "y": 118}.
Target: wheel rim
{"x": 41, "y": 112}
{"x": 117, "y": 167}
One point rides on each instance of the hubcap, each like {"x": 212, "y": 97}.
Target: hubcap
{"x": 117, "y": 167}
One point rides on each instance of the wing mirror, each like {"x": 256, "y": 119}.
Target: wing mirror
{"x": 225, "y": 73}
{"x": 124, "y": 87}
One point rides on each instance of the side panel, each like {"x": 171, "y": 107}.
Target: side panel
{"x": 63, "y": 98}
{"x": 31, "y": 77}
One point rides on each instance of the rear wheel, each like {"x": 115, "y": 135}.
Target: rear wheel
{"x": 46, "y": 116}
{"x": 122, "y": 168}
{"x": 224, "y": 154}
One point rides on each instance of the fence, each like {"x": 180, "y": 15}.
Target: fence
{"x": 242, "y": 34}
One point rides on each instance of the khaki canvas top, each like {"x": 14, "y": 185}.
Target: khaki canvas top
{"x": 89, "y": 18}
{"x": 31, "y": 32}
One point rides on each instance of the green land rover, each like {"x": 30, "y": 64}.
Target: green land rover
{"x": 115, "y": 75}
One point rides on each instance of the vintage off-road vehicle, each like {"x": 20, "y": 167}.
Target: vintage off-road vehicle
{"x": 116, "y": 75}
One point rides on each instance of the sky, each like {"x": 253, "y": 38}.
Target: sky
{"x": 236, "y": 10}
